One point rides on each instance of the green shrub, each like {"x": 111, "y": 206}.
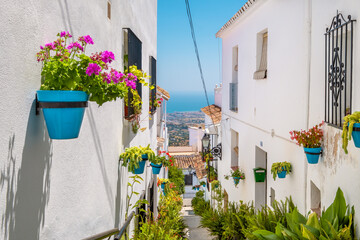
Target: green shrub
{"x": 199, "y": 204}
{"x": 213, "y": 220}
{"x": 177, "y": 177}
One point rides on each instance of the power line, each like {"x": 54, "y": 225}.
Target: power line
{"x": 197, "y": 55}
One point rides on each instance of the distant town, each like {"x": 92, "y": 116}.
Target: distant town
{"x": 178, "y": 123}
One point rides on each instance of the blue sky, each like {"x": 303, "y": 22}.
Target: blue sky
{"x": 177, "y": 69}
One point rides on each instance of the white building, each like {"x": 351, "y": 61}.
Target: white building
{"x": 72, "y": 189}
{"x": 273, "y": 72}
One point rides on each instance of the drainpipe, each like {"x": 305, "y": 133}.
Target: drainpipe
{"x": 308, "y": 19}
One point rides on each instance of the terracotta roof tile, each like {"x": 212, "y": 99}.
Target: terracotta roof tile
{"x": 214, "y": 112}
{"x": 239, "y": 13}
{"x": 184, "y": 161}
{"x": 163, "y": 92}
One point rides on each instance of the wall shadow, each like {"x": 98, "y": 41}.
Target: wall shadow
{"x": 28, "y": 187}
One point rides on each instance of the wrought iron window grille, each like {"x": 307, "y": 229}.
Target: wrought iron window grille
{"x": 338, "y": 69}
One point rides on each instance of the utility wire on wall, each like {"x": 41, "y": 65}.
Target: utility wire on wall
{"x": 198, "y": 58}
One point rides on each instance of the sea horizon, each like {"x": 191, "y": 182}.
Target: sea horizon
{"x": 188, "y": 101}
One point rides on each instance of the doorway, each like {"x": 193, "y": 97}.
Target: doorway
{"x": 260, "y": 187}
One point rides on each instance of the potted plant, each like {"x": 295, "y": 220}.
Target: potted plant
{"x": 260, "y": 174}
{"x": 212, "y": 174}
{"x": 281, "y": 169}
{"x": 215, "y": 184}
{"x": 196, "y": 187}
{"x": 351, "y": 127}
{"x": 161, "y": 182}
{"x": 70, "y": 78}
{"x": 311, "y": 141}
{"x": 203, "y": 183}
{"x": 236, "y": 175}
{"x": 135, "y": 158}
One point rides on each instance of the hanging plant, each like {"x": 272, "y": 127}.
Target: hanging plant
{"x": 351, "y": 121}
{"x": 237, "y": 175}
{"x": 71, "y": 75}
{"x": 281, "y": 169}
{"x": 135, "y": 158}
{"x": 311, "y": 141}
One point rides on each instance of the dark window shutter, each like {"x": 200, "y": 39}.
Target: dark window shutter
{"x": 135, "y": 55}
{"x": 153, "y": 83}
{"x": 188, "y": 179}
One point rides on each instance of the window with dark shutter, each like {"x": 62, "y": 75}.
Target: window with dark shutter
{"x": 339, "y": 46}
{"x": 153, "y": 83}
{"x": 132, "y": 56}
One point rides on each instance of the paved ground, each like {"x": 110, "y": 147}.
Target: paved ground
{"x": 193, "y": 222}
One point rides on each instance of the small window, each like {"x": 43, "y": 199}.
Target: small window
{"x": 109, "y": 10}
{"x": 189, "y": 180}
{"x": 315, "y": 199}
{"x": 235, "y": 64}
{"x": 261, "y": 58}
{"x": 234, "y": 149}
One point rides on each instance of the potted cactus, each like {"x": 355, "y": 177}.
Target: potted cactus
{"x": 311, "y": 141}
{"x": 135, "y": 158}
{"x": 236, "y": 175}
{"x": 351, "y": 128}
{"x": 281, "y": 169}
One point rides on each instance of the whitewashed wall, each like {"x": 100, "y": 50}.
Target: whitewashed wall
{"x": 269, "y": 109}
{"x": 74, "y": 188}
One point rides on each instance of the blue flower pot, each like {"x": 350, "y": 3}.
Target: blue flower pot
{"x": 140, "y": 169}
{"x": 197, "y": 188}
{"x": 156, "y": 168}
{"x": 236, "y": 180}
{"x": 163, "y": 186}
{"x": 312, "y": 155}
{"x": 356, "y": 134}
{"x": 204, "y": 185}
{"x": 282, "y": 174}
{"x": 144, "y": 157}
{"x": 63, "y": 123}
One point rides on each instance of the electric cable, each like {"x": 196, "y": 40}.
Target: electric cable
{"x": 198, "y": 58}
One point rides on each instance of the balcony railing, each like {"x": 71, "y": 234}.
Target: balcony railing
{"x": 233, "y": 97}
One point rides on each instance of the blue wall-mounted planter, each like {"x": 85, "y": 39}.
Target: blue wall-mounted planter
{"x": 236, "y": 180}
{"x": 356, "y": 134}
{"x": 156, "y": 168}
{"x": 312, "y": 155}
{"x": 62, "y": 122}
{"x": 163, "y": 186}
{"x": 282, "y": 174}
{"x": 140, "y": 169}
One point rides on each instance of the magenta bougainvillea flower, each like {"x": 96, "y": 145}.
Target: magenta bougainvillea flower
{"x": 50, "y": 46}
{"x": 75, "y": 45}
{"x": 86, "y": 39}
{"x": 65, "y": 34}
{"x": 107, "y": 56}
{"x": 93, "y": 68}
{"x": 131, "y": 84}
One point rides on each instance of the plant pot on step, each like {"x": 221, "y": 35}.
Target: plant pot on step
{"x": 141, "y": 168}
{"x": 260, "y": 174}
{"x": 63, "y": 112}
{"x": 312, "y": 155}
{"x": 156, "y": 168}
